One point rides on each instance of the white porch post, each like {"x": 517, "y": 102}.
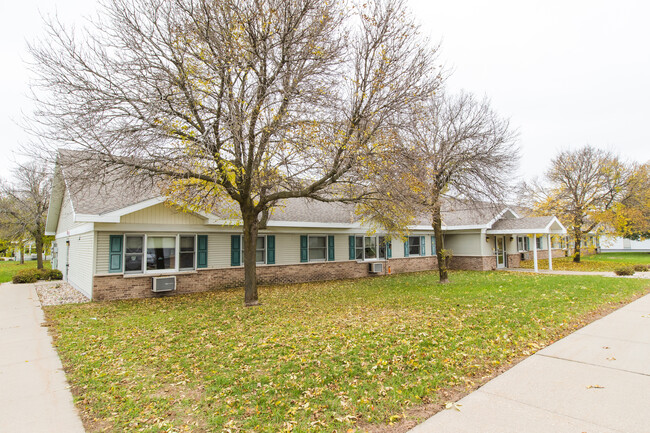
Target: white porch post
{"x": 535, "y": 251}
{"x": 550, "y": 253}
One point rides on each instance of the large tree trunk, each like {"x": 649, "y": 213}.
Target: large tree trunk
{"x": 440, "y": 246}
{"x": 250, "y": 263}
{"x": 39, "y": 252}
{"x": 576, "y": 249}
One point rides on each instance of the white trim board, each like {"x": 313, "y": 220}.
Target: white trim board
{"x": 84, "y": 228}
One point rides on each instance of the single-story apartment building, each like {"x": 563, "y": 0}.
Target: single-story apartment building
{"x": 115, "y": 241}
{"x": 622, "y": 245}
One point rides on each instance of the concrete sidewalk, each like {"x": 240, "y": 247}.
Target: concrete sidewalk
{"x": 34, "y": 394}
{"x": 596, "y": 380}
{"x": 561, "y": 272}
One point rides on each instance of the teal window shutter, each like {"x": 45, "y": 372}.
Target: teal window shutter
{"x": 389, "y": 249}
{"x": 423, "y": 246}
{"x": 330, "y": 248}
{"x": 406, "y": 248}
{"x": 235, "y": 250}
{"x": 202, "y": 251}
{"x": 433, "y": 245}
{"x": 270, "y": 249}
{"x": 351, "y": 243}
{"x": 115, "y": 253}
{"x": 304, "y": 252}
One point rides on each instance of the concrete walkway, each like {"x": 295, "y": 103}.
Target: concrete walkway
{"x": 560, "y": 272}
{"x": 596, "y": 380}
{"x": 34, "y": 394}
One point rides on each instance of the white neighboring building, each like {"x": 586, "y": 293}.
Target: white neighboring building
{"x": 616, "y": 245}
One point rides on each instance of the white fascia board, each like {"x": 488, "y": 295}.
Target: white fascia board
{"x": 114, "y": 216}
{"x": 307, "y": 224}
{"x": 475, "y": 227}
{"x": 296, "y": 224}
{"x": 540, "y": 231}
{"x": 56, "y": 201}
{"x": 84, "y": 228}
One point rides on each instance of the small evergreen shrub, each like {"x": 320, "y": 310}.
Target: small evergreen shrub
{"x": 33, "y": 275}
{"x": 52, "y": 274}
{"x": 640, "y": 268}
{"x": 626, "y": 271}
{"x": 26, "y": 276}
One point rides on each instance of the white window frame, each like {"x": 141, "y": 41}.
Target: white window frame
{"x": 241, "y": 253}
{"x": 419, "y": 253}
{"x": 195, "y": 253}
{"x": 309, "y": 259}
{"x": 362, "y": 248}
{"x": 521, "y": 244}
{"x": 177, "y": 251}
{"x": 143, "y": 253}
{"x": 540, "y": 243}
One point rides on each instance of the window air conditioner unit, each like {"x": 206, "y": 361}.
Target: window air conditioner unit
{"x": 164, "y": 284}
{"x": 376, "y": 268}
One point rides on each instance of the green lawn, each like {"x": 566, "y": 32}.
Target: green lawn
{"x": 595, "y": 262}
{"x": 336, "y": 356}
{"x": 9, "y": 268}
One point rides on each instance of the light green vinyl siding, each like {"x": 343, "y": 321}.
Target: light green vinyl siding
{"x": 219, "y": 250}
{"x": 160, "y": 214}
{"x": 467, "y": 244}
{"x": 287, "y": 249}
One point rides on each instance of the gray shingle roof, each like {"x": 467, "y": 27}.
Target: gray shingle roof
{"x": 307, "y": 210}
{"x": 526, "y": 223}
{"x": 97, "y": 194}
{"x": 470, "y": 216}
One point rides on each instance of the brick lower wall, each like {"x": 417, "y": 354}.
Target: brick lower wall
{"x": 473, "y": 263}
{"x": 543, "y": 254}
{"x": 514, "y": 260}
{"x": 112, "y": 287}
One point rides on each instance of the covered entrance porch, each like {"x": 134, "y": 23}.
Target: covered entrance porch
{"x": 523, "y": 235}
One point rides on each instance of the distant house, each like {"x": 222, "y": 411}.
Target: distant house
{"x": 618, "y": 244}
{"x": 112, "y": 240}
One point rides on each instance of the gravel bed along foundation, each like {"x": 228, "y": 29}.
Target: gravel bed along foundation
{"x": 58, "y": 293}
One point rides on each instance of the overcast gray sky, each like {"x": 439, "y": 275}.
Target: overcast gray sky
{"x": 567, "y": 73}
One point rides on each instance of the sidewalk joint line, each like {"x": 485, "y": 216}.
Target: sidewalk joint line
{"x": 593, "y": 365}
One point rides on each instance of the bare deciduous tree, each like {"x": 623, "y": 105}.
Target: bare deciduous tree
{"x": 235, "y": 103}
{"x": 23, "y": 210}
{"x": 579, "y": 188}
{"x": 457, "y": 148}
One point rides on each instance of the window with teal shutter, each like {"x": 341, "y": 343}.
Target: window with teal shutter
{"x": 202, "y": 251}
{"x": 389, "y": 249}
{"x": 235, "y": 250}
{"x": 433, "y": 245}
{"x": 423, "y": 247}
{"x": 351, "y": 245}
{"x": 270, "y": 249}
{"x": 406, "y": 248}
{"x": 115, "y": 253}
{"x": 304, "y": 249}
{"x": 330, "y": 248}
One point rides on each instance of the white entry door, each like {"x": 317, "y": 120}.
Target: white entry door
{"x": 501, "y": 252}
